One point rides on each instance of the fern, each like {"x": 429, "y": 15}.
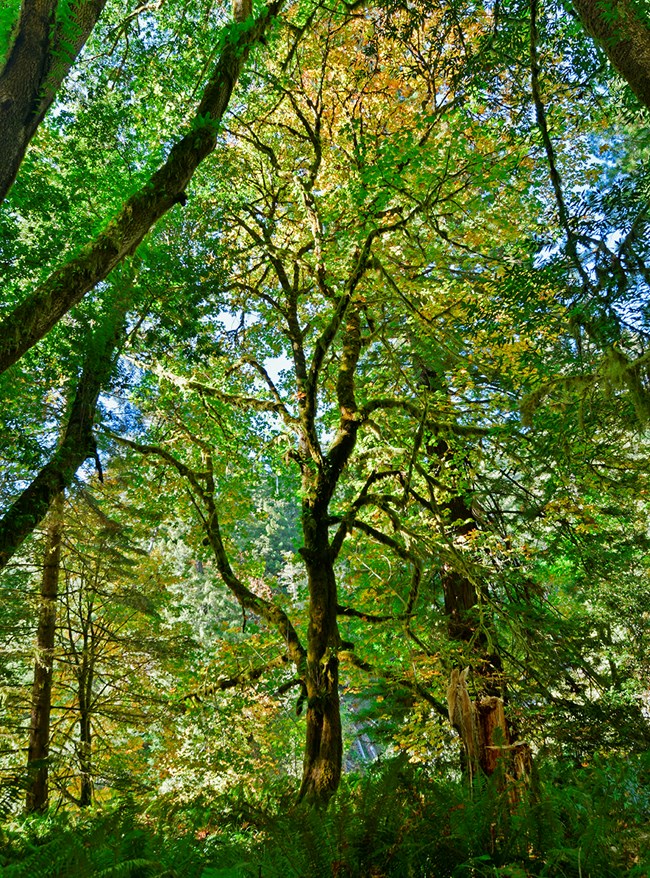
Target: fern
{"x": 49, "y": 859}
{"x": 132, "y": 869}
{"x": 397, "y": 822}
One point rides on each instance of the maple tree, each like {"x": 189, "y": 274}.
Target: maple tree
{"x": 351, "y": 304}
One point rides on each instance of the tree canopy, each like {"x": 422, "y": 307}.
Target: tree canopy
{"x": 325, "y": 377}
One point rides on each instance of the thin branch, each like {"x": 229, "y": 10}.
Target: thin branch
{"x": 411, "y": 685}
{"x": 245, "y": 678}
{"x": 556, "y": 180}
{"x": 369, "y": 617}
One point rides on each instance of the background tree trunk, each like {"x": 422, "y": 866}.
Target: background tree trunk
{"x": 39, "y": 732}
{"x": 85, "y": 748}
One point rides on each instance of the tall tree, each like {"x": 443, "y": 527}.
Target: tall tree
{"x": 39, "y": 732}
{"x": 310, "y": 251}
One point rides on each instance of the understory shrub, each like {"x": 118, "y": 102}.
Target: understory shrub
{"x": 397, "y": 821}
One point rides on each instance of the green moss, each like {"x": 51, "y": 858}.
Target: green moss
{"x": 9, "y": 15}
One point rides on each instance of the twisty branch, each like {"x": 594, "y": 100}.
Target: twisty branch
{"x": 204, "y": 489}
{"x": 245, "y": 678}
{"x": 237, "y": 400}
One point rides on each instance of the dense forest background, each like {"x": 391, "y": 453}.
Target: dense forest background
{"x": 325, "y": 368}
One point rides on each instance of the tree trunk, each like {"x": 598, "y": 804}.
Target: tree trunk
{"x": 488, "y": 742}
{"x": 622, "y": 28}
{"x": 461, "y": 604}
{"x": 47, "y": 42}
{"x": 85, "y": 677}
{"x": 85, "y": 753}
{"x": 324, "y": 737}
{"x": 487, "y": 738}
{"x": 39, "y": 732}
{"x": 77, "y": 445}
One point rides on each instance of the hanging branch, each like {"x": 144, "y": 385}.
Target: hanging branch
{"x": 383, "y": 673}
{"x": 245, "y": 678}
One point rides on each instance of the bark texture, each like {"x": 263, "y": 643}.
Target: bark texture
{"x": 76, "y": 446}
{"x": 487, "y": 738}
{"x": 623, "y": 30}
{"x": 37, "y": 314}
{"x": 461, "y": 596}
{"x": 44, "y": 49}
{"x": 324, "y": 739}
{"x": 39, "y": 730}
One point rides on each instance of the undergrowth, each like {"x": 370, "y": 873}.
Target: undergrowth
{"x": 395, "y": 822}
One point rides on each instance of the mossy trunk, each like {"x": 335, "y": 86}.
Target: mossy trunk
{"x": 323, "y": 742}
{"x": 39, "y": 731}
{"x": 622, "y": 29}
{"x": 45, "y": 306}
{"x": 323, "y": 745}
{"x": 77, "y": 443}
{"x": 85, "y": 758}
{"x": 488, "y": 739}
{"x": 462, "y": 608}
{"x": 48, "y": 37}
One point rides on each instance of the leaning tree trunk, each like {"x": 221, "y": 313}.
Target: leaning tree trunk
{"x": 39, "y": 732}
{"x": 49, "y": 36}
{"x": 33, "y": 318}
{"x": 77, "y": 443}
{"x": 622, "y": 28}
